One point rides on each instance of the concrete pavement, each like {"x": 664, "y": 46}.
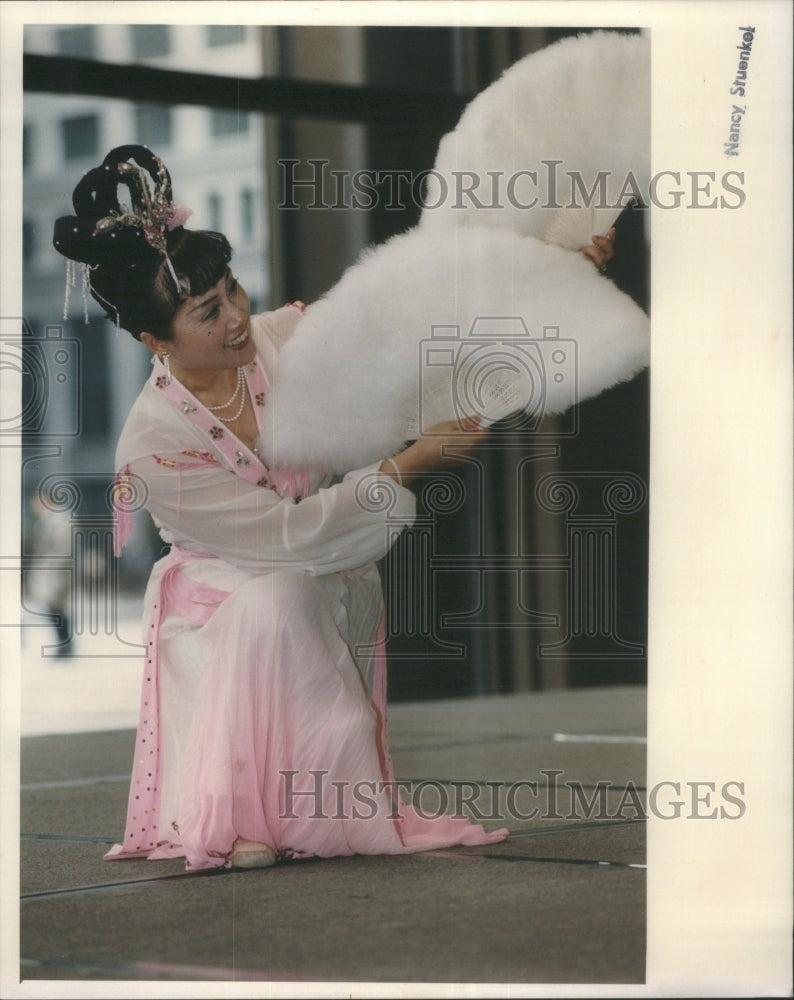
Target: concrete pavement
{"x": 562, "y": 901}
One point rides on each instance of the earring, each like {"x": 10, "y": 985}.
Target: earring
{"x": 165, "y": 358}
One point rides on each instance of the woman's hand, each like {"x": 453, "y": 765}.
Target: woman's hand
{"x": 603, "y": 249}
{"x": 441, "y": 447}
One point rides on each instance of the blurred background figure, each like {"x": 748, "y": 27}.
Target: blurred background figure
{"x": 47, "y": 582}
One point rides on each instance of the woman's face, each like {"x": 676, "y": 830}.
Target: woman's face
{"x": 213, "y": 330}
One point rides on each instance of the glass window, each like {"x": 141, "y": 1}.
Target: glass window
{"x": 77, "y": 40}
{"x": 223, "y": 122}
{"x": 214, "y": 212}
{"x": 27, "y": 146}
{"x": 225, "y": 34}
{"x": 149, "y": 40}
{"x": 247, "y": 220}
{"x": 28, "y": 240}
{"x": 80, "y": 136}
{"x": 153, "y": 125}
{"x": 93, "y": 384}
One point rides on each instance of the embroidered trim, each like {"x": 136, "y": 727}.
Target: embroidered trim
{"x": 204, "y": 458}
{"x": 197, "y": 602}
{"x": 241, "y": 460}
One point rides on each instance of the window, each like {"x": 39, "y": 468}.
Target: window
{"x": 224, "y": 122}
{"x": 80, "y": 136}
{"x": 214, "y": 212}
{"x": 94, "y": 384}
{"x": 225, "y": 34}
{"x": 28, "y": 240}
{"x": 149, "y": 40}
{"x": 247, "y": 220}
{"x": 153, "y": 125}
{"x": 76, "y": 41}
{"x": 27, "y": 146}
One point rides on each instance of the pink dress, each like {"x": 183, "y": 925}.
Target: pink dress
{"x": 263, "y": 708}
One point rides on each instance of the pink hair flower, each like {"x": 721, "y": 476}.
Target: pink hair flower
{"x": 177, "y": 215}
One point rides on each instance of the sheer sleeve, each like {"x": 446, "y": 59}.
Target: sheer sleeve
{"x": 209, "y": 509}
{"x": 279, "y": 325}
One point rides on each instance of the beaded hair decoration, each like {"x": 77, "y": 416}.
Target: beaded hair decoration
{"x": 107, "y": 232}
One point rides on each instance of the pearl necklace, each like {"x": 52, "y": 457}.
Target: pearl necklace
{"x": 240, "y": 387}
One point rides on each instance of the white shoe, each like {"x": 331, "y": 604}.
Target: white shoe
{"x": 248, "y": 854}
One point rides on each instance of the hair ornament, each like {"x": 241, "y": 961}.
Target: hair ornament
{"x": 154, "y": 213}
{"x": 109, "y": 305}
{"x": 71, "y": 281}
{"x": 106, "y": 232}
{"x": 177, "y": 216}
{"x": 126, "y": 232}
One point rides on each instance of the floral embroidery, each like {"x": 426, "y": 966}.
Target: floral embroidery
{"x": 161, "y": 381}
{"x": 264, "y": 481}
{"x": 187, "y": 406}
{"x": 260, "y": 399}
{"x": 204, "y": 458}
{"x": 241, "y": 459}
{"x": 216, "y": 432}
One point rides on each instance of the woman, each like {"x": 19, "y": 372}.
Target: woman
{"x": 262, "y": 728}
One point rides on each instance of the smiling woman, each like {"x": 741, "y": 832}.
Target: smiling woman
{"x": 209, "y": 342}
{"x": 263, "y": 624}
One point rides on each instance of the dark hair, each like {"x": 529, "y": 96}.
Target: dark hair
{"x": 133, "y": 254}
{"x": 143, "y": 295}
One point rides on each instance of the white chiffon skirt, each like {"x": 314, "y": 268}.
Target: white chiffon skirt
{"x": 263, "y": 718}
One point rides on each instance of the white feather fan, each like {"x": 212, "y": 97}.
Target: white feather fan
{"x": 399, "y": 328}
{"x": 474, "y": 311}
{"x": 555, "y": 147}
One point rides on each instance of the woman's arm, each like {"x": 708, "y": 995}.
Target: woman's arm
{"x": 210, "y": 510}
{"x": 447, "y": 444}
{"x": 206, "y": 508}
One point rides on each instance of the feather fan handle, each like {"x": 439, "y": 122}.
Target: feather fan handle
{"x": 574, "y": 228}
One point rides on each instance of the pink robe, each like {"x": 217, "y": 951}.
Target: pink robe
{"x": 263, "y": 710}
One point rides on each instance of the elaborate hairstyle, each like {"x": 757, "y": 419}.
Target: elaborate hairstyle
{"x": 139, "y": 262}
